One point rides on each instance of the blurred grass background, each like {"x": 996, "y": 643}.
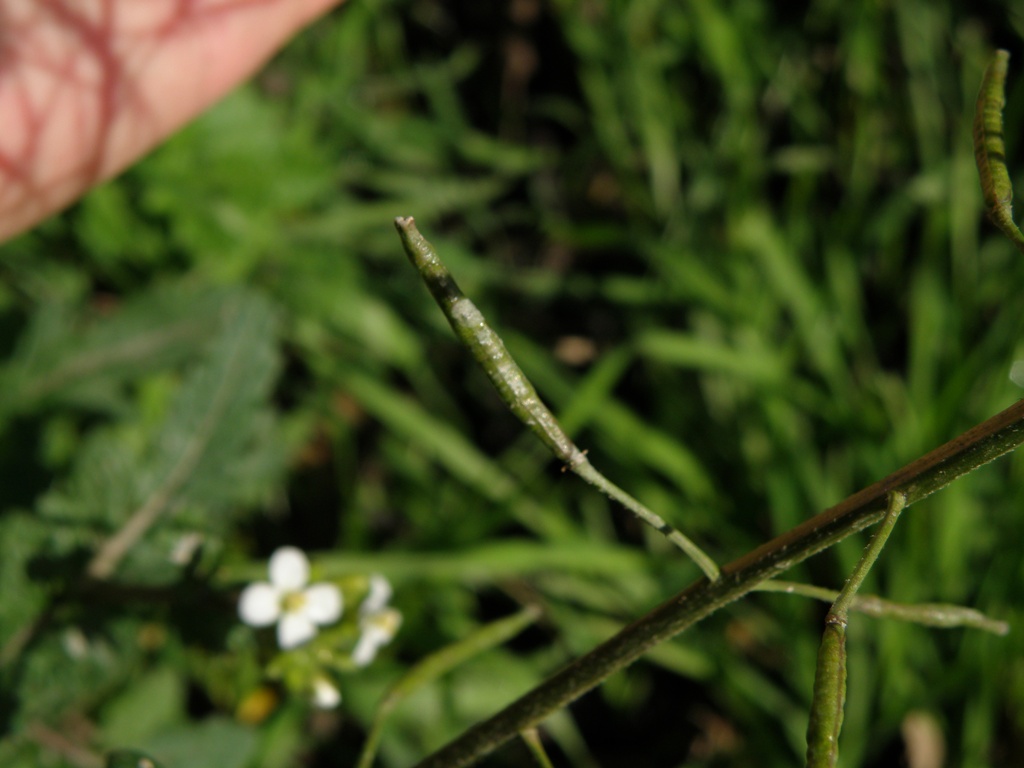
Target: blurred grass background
{"x": 738, "y": 247}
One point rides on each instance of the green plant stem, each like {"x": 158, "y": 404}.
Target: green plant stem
{"x": 439, "y": 663}
{"x": 979, "y": 445}
{"x": 533, "y": 743}
{"x": 829, "y": 697}
{"x": 516, "y": 390}
{"x": 940, "y": 615}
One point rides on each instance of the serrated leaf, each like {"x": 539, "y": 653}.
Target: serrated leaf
{"x": 66, "y": 356}
{"x": 74, "y": 667}
{"x": 215, "y": 451}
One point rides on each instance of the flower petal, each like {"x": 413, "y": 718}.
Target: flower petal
{"x": 378, "y": 596}
{"x": 325, "y": 693}
{"x": 294, "y": 629}
{"x": 378, "y": 630}
{"x": 289, "y": 569}
{"x": 259, "y": 604}
{"x": 366, "y": 649}
{"x": 323, "y": 603}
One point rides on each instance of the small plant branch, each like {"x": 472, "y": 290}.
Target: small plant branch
{"x": 919, "y": 479}
{"x": 938, "y": 615}
{"x": 829, "y": 697}
{"x": 516, "y": 390}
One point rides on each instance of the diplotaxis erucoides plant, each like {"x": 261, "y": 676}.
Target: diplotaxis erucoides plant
{"x": 881, "y": 502}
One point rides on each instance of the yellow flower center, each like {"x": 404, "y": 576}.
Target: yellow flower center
{"x": 293, "y": 602}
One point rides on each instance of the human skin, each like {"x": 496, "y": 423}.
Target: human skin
{"x": 89, "y": 86}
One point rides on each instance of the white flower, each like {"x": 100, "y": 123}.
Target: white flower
{"x": 298, "y": 609}
{"x": 325, "y": 693}
{"x": 377, "y": 622}
{"x": 377, "y": 597}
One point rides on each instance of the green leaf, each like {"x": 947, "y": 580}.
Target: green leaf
{"x": 214, "y": 743}
{"x": 20, "y": 537}
{"x": 214, "y": 450}
{"x": 154, "y": 701}
{"x": 67, "y": 355}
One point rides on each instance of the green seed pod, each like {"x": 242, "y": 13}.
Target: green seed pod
{"x": 990, "y": 149}
{"x": 516, "y": 390}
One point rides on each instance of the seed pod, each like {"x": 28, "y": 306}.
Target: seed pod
{"x": 990, "y": 149}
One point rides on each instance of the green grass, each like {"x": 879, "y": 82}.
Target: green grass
{"x": 766, "y": 225}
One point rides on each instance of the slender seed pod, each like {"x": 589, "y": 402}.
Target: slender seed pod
{"x": 485, "y": 345}
{"x": 829, "y": 698}
{"x": 990, "y": 148}
{"x": 516, "y": 390}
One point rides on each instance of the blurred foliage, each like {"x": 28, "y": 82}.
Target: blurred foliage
{"x": 738, "y": 247}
